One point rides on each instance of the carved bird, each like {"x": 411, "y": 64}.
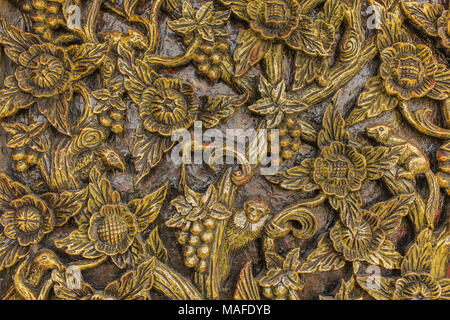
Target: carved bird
{"x": 30, "y": 282}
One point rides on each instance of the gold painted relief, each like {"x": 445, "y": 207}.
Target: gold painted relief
{"x": 116, "y": 181}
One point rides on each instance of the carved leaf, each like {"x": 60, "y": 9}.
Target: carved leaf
{"x": 66, "y": 204}
{"x": 86, "y": 58}
{"x": 148, "y": 151}
{"x": 333, "y": 127}
{"x": 15, "y": 41}
{"x": 372, "y": 101}
{"x": 323, "y": 258}
{"x": 391, "y": 212}
{"x": 155, "y": 246}
{"x": 296, "y": 178}
{"x": 380, "y": 159}
{"x": 249, "y": 50}
{"x": 133, "y": 284}
{"x": 220, "y": 108}
{"x": 10, "y": 252}
{"x": 246, "y": 287}
{"x": 423, "y": 15}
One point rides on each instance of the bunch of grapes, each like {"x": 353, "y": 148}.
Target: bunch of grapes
{"x": 209, "y": 57}
{"x": 113, "y": 119}
{"x": 24, "y": 158}
{"x": 289, "y": 137}
{"x": 45, "y": 15}
{"x": 278, "y": 292}
{"x": 196, "y": 239}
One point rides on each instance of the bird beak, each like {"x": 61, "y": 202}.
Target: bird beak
{"x": 59, "y": 265}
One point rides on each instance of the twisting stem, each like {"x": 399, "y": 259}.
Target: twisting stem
{"x": 89, "y": 264}
{"x": 89, "y": 27}
{"x": 174, "y": 61}
{"x": 153, "y": 35}
{"x": 274, "y": 63}
{"x": 84, "y": 91}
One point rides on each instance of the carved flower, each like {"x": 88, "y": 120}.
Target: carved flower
{"x": 168, "y": 106}
{"x": 27, "y": 217}
{"x": 45, "y": 74}
{"x": 273, "y": 18}
{"x": 339, "y": 169}
{"x": 277, "y": 21}
{"x": 415, "y": 286}
{"x": 359, "y": 245}
{"x": 29, "y": 221}
{"x": 443, "y": 28}
{"x": 274, "y": 104}
{"x": 194, "y": 206}
{"x": 108, "y": 227}
{"x": 408, "y": 71}
{"x": 112, "y": 228}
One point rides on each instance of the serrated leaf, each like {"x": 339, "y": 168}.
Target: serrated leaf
{"x": 391, "y": 212}
{"x": 296, "y": 178}
{"x": 15, "y": 40}
{"x": 333, "y": 127}
{"x": 146, "y": 209}
{"x": 220, "y": 108}
{"x": 148, "y": 151}
{"x": 372, "y": 101}
{"x": 66, "y": 204}
{"x": 155, "y": 246}
{"x": 380, "y": 159}
{"x": 10, "y": 252}
{"x": 86, "y": 58}
{"x": 133, "y": 284}
{"x": 323, "y": 258}
{"x": 423, "y": 15}
{"x": 250, "y": 49}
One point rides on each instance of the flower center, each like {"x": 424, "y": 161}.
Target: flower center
{"x": 112, "y": 230}
{"x": 417, "y": 290}
{"x": 409, "y": 71}
{"x": 360, "y": 239}
{"x": 45, "y": 71}
{"x": 170, "y": 107}
{"x": 448, "y": 27}
{"x": 275, "y": 13}
{"x": 28, "y": 219}
{"x": 339, "y": 169}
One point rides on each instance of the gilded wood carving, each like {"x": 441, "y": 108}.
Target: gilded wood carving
{"x": 114, "y": 184}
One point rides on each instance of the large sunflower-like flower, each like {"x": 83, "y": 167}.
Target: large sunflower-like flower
{"x": 167, "y": 106}
{"x": 45, "y": 74}
{"x": 339, "y": 169}
{"x": 358, "y": 246}
{"x": 407, "y": 70}
{"x": 108, "y": 227}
